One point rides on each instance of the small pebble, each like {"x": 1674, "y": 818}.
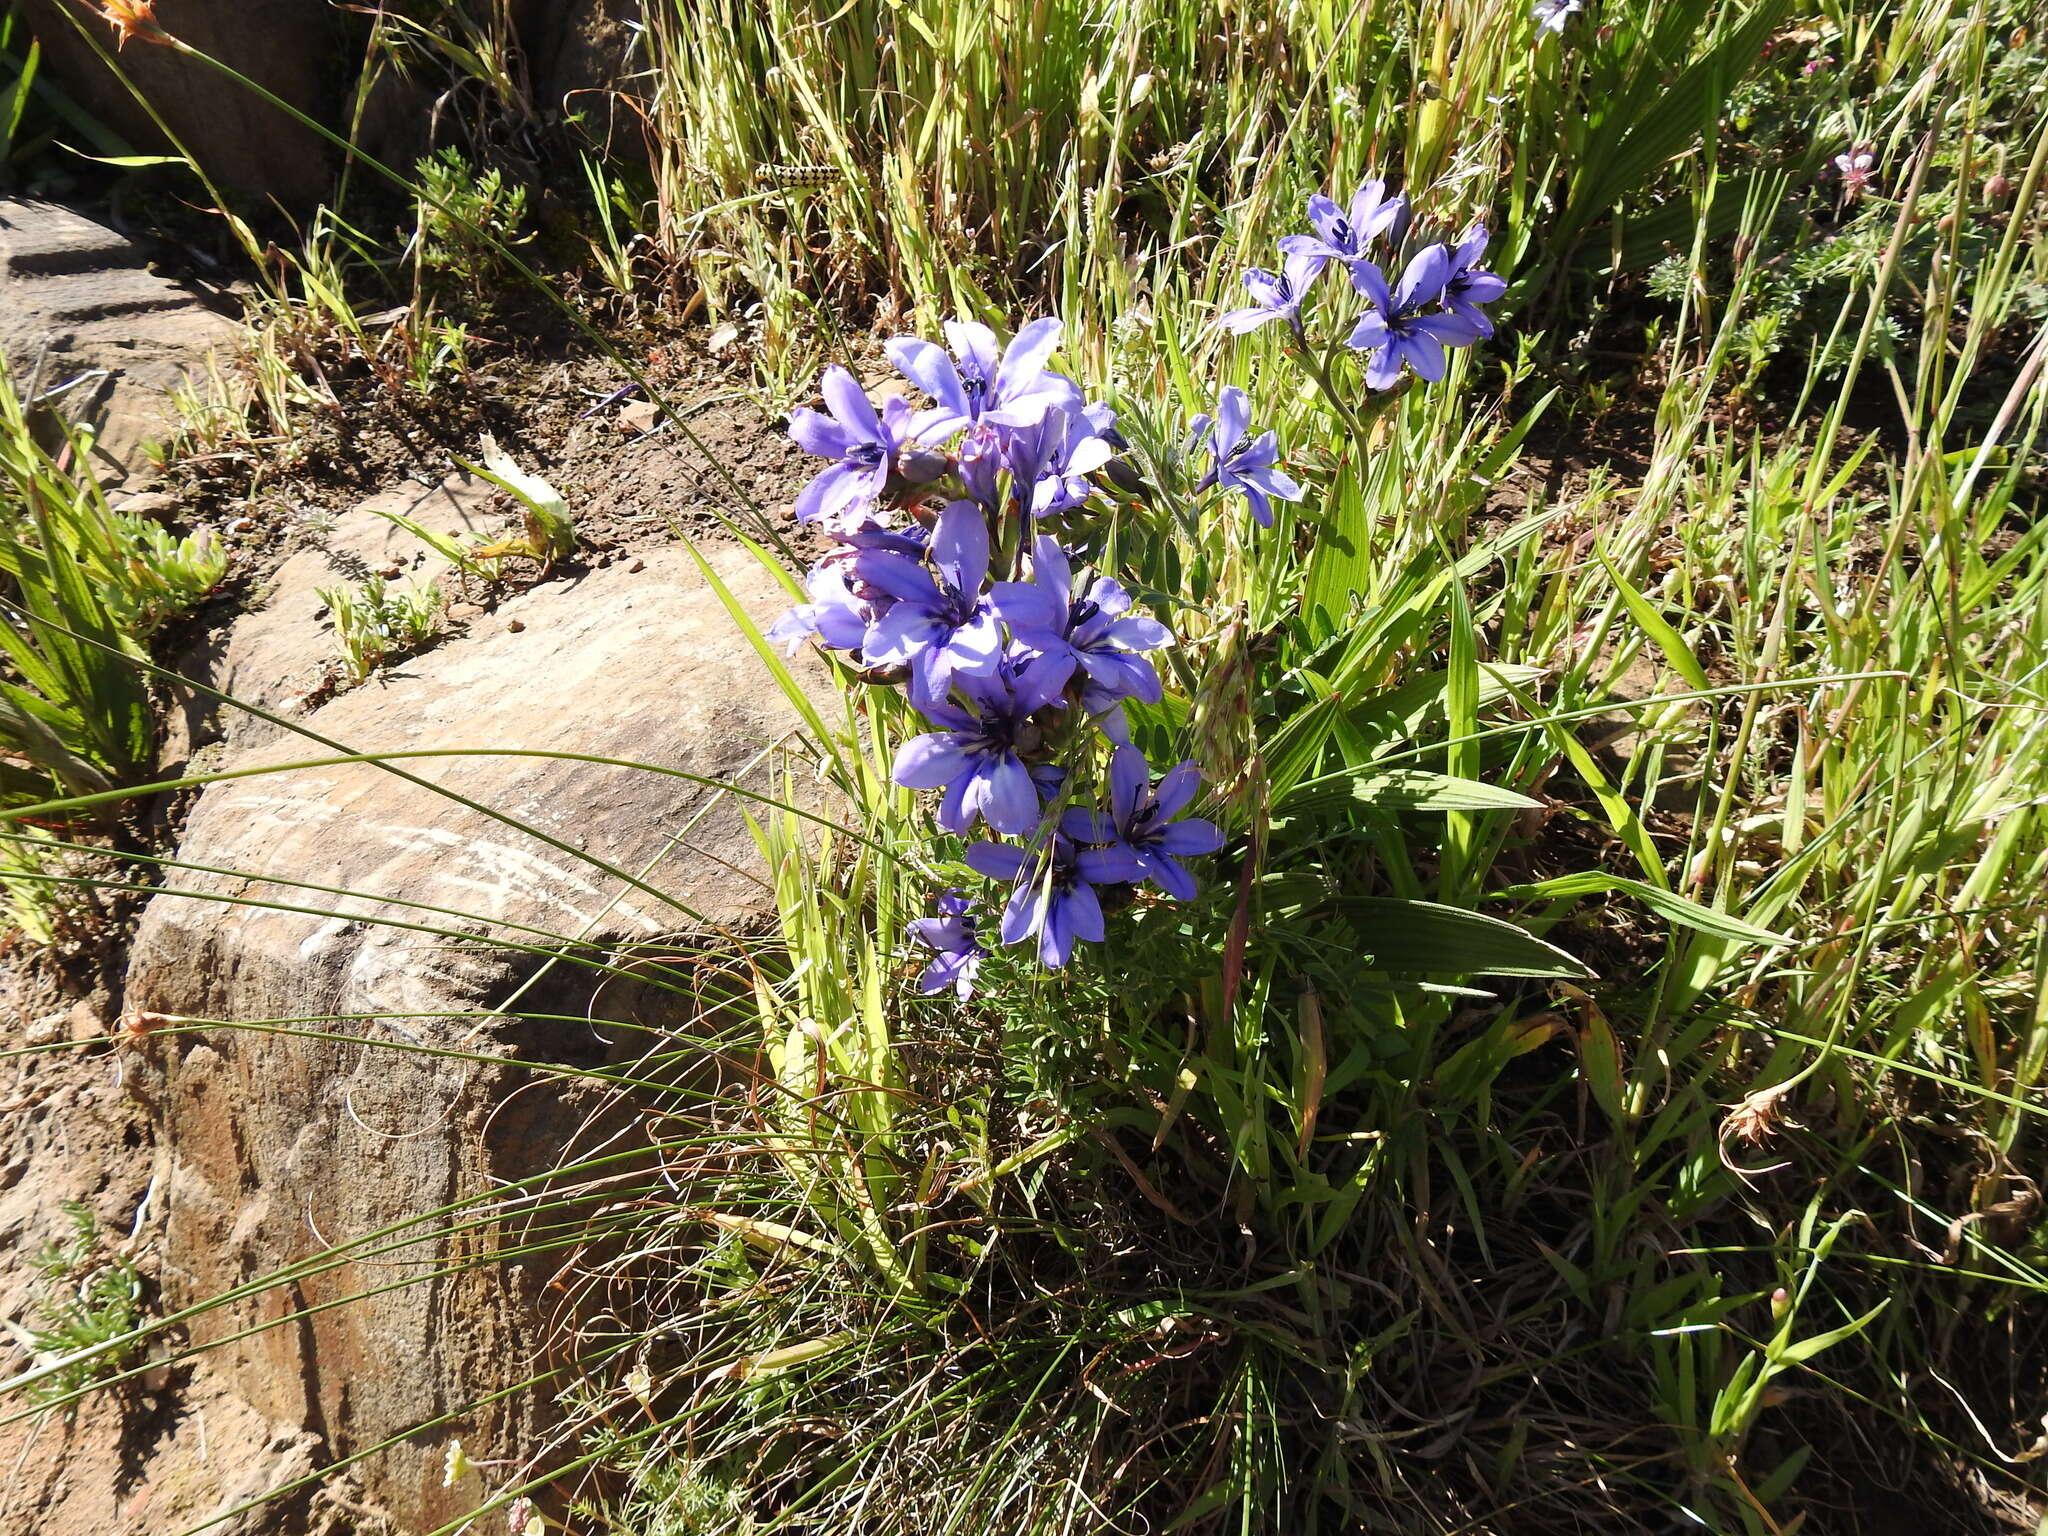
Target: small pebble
{"x": 515, "y": 625}
{"x": 638, "y": 417}
{"x": 637, "y": 566}
{"x": 242, "y": 525}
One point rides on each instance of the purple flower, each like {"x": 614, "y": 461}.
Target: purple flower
{"x": 1083, "y": 447}
{"x": 979, "y": 455}
{"x": 1551, "y": 15}
{"x": 1054, "y": 895}
{"x": 982, "y": 381}
{"x": 940, "y": 623}
{"x": 1471, "y": 285}
{"x": 1247, "y": 468}
{"x": 1399, "y": 327}
{"x": 865, "y": 444}
{"x": 976, "y": 755}
{"x": 1039, "y": 456}
{"x": 1141, "y": 820}
{"x": 836, "y": 614}
{"x": 1096, "y": 634}
{"x": 1344, "y": 236}
{"x": 952, "y": 936}
{"x": 1275, "y": 295}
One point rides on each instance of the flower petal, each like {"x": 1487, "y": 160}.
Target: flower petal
{"x": 1029, "y": 609}
{"x": 849, "y": 402}
{"x": 902, "y": 578}
{"x": 1008, "y": 800}
{"x": 1369, "y": 280}
{"x": 927, "y": 365}
{"x": 1185, "y": 839}
{"x": 831, "y": 492}
{"x": 1370, "y": 334}
{"x": 1129, "y": 777}
{"x": 815, "y": 432}
{"x": 1424, "y": 278}
{"x": 960, "y": 547}
{"x": 980, "y": 354}
{"x": 1117, "y": 864}
{"x": 1029, "y": 351}
{"x": 999, "y": 861}
{"x": 1177, "y": 786}
{"x": 1233, "y": 414}
{"x": 1087, "y": 826}
{"x": 928, "y": 761}
{"x": 1024, "y": 912}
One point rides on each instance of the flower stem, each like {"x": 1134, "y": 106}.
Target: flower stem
{"x": 1304, "y": 356}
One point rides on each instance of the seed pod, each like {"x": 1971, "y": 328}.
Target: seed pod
{"x": 1223, "y": 714}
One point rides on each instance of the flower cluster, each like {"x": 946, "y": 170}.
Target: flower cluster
{"x": 952, "y": 574}
{"x": 1409, "y": 322}
{"x": 959, "y": 570}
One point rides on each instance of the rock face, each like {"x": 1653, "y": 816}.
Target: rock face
{"x": 290, "y": 47}
{"x": 282, "y": 652}
{"x": 271, "y": 1148}
{"x": 570, "y": 56}
{"x": 76, "y": 300}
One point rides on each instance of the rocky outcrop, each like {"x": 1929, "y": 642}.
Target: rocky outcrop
{"x": 79, "y": 308}
{"x": 274, "y": 1149}
{"x": 565, "y": 57}
{"x": 296, "y": 49}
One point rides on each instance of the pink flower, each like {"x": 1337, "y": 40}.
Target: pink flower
{"x": 1855, "y": 168}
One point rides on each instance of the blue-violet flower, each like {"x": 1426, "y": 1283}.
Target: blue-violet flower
{"x": 1054, "y": 895}
{"x": 1275, "y": 295}
{"x": 1246, "y": 467}
{"x": 940, "y": 623}
{"x": 1141, "y": 820}
{"x": 864, "y": 442}
{"x": 976, "y": 757}
{"x": 1344, "y": 235}
{"x": 1400, "y": 327}
{"x": 1096, "y": 633}
{"x": 958, "y": 953}
{"x": 982, "y": 381}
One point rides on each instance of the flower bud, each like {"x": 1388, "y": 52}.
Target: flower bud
{"x": 1781, "y": 1303}
{"x": 921, "y": 466}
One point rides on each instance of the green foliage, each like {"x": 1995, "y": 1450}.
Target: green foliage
{"x": 90, "y": 1300}
{"x": 74, "y": 712}
{"x": 466, "y": 222}
{"x": 376, "y": 623}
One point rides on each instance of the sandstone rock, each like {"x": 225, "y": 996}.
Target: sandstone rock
{"x": 271, "y": 1148}
{"x": 281, "y": 653}
{"x": 287, "y": 46}
{"x": 75, "y": 300}
{"x": 584, "y": 51}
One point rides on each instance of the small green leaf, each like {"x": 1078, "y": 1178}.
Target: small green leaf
{"x": 1425, "y": 937}
{"x": 1666, "y": 904}
{"x": 1653, "y": 624}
